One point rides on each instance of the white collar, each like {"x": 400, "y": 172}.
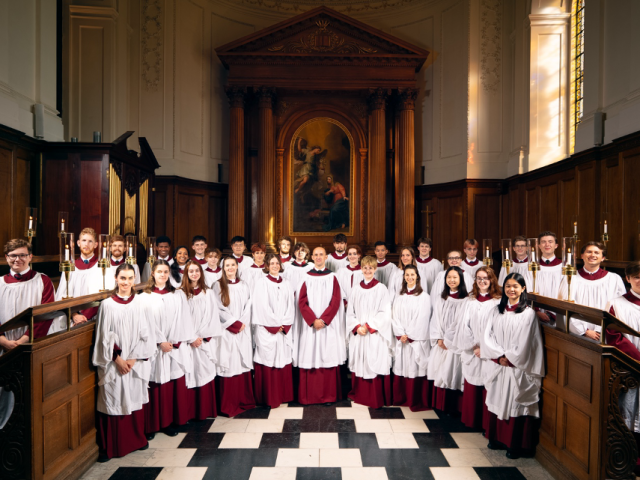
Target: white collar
{"x": 591, "y": 273}
{"x": 367, "y": 283}
{"x": 116, "y": 259}
{"x": 634, "y": 293}
{"x": 424, "y": 258}
{"x": 13, "y": 274}
{"x": 123, "y": 298}
{"x": 198, "y": 258}
{"x": 83, "y": 259}
{"x": 382, "y": 261}
{"x": 549, "y": 259}
{"x": 471, "y": 260}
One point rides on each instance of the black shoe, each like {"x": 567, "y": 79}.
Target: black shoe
{"x": 495, "y": 446}
{"x": 146, "y": 447}
{"x": 151, "y": 436}
{"x": 102, "y": 458}
{"x": 328, "y": 404}
{"x": 513, "y": 454}
{"x": 169, "y": 431}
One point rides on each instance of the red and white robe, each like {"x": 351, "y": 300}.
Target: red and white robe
{"x": 146, "y": 271}
{"x": 211, "y": 276}
{"x": 471, "y": 266}
{"x": 385, "y": 272}
{"x": 335, "y": 261}
{"x": 428, "y": 268}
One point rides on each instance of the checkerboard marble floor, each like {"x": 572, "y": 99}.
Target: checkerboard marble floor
{"x": 344, "y": 441}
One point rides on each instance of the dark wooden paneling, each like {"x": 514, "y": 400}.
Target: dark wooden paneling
{"x": 631, "y": 210}
{"x": 85, "y": 365}
{"x": 86, "y": 406}
{"x": 56, "y": 374}
{"x": 548, "y": 414}
{"x": 577, "y": 438}
{"x": 532, "y": 211}
{"x": 578, "y": 377}
{"x": 5, "y": 193}
{"x": 549, "y": 214}
{"x": 57, "y": 435}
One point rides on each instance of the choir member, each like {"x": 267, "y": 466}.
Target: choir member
{"x": 84, "y": 280}
{"x": 386, "y": 269}
{"x": 513, "y": 343}
{"x": 549, "y": 276}
{"x": 124, "y": 342}
{"x": 171, "y": 401}
{"x": 520, "y": 259}
{"x": 212, "y": 271}
{"x": 592, "y": 287}
{"x": 445, "y": 367}
{"x": 454, "y": 259}
{"x": 411, "y": 315}
{"x": 338, "y": 259}
{"x": 428, "y": 267}
{"x": 484, "y": 298}
{"x": 180, "y": 259}
{"x": 203, "y": 306}
{"x": 284, "y": 245}
{"x": 273, "y": 313}
{"x": 407, "y": 257}
{"x": 352, "y": 274}
{"x": 163, "y": 252}
{"x": 322, "y": 336}
{"x": 238, "y": 246}
{"x": 235, "y": 354}
{"x": 471, "y": 263}
{"x": 199, "y": 246}
{"x": 257, "y": 270}
{"x": 20, "y": 289}
{"x": 371, "y": 339}
{"x": 117, "y": 258}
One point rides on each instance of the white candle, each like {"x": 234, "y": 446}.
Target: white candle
{"x": 533, "y": 255}
{"x": 575, "y": 228}
{"x": 151, "y": 251}
{"x": 605, "y": 226}
{"x": 104, "y": 250}
{"x": 131, "y": 251}
{"x": 62, "y": 226}
{"x": 487, "y": 254}
{"x": 66, "y": 253}
{"x": 506, "y": 254}
{"x": 569, "y": 256}
{"x": 31, "y": 224}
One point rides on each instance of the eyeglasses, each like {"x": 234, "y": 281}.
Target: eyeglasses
{"x": 454, "y": 258}
{"x": 21, "y": 256}
{"x": 481, "y": 279}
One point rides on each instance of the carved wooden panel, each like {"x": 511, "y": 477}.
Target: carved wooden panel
{"x": 191, "y": 218}
{"x": 613, "y": 202}
{"x": 568, "y": 204}
{"x": 578, "y": 377}
{"x": 552, "y": 364}
{"x": 85, "y": 365}
{"x": 548, "y": 414}
{"x": 631, "y": 227}
{"x": 549, "y": 214}
{"x": 92, "y": 213}
{"x": 56, "y": 375}
{"x": 532, "y": 211}
{"x": 57, "y": 433}
{"x": 577, "y": 434}
{"x": 218, "y": 211}
{"x": 486, "y": 213}
{"x": 86, "y": 407}
{"x": 5, "y": 193}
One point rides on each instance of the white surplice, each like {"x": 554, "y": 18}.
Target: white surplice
{"x": 347, "y": 278}
{"x": 272, "y": 306}
{"x": 411, "y": 316}
{"x": 110, "y": 275}
{"x": 471, "y": 268}
{"x": 244, "y": 262}
{"x": 548, "y": 278}
{"x": 385, "y": 271}
{"x": 211, "y": 276}
{"x": 395, "y": 283}
{"x": 146, "y": 271}
{"x": 336, "y": 262}
{"x": 513, "y": 391}
{"x": 128, "y": 327}
{"x": 235, "y": 350}
{"x": 518, "y": 267}
{"x": 438, "y": 285}
{"x": 370, "y": 355}
{"x": 296, "y": 274}
{"x": 206, "y": 324}
{"x": 252, "y": 275}
{"x": 428, "y": 268}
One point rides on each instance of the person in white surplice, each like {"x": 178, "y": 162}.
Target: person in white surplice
{"x": 272, "y": 317}
{"x": 163, "y": 252}
{"x": 338, "y": 259}
{"x": 485, "y": 296}
{"x": 444, "y": 366}
{"x": 235, "y": 355}
{"x": 520, "y": 260}
{"x": 407, "y": 257}
{"x": 513, "y": 343}
{"x": 385, "y": 269}
{"x": 371, "y": 340}
{"x": 470, "y": 263}
{"x": 256, "y": 271}
{"x": 284, "y": 245}
{"x": 212, "y": 270}
{"x": 350, "y": 275}
{"x": 428, "y": 267}
{"x": 411, "y": 315}
{"x": 123, "y": 345}
{"x": 454, "y": 259}
{"x": 180, "y": 259}
{"x": 549, "y": 276}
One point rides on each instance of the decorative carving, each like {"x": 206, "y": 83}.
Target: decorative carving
{"x": 236, "y": 96}
{"x": 377, "y": 98}
{"x": 621, "y": 450}
{"x": 151, "y": 41}
{"x": 491, "y": 44}
{"x": 266, "y": 96}
{"x": 345, "y": 6}
{"x": 117, "y": 167}
{"x": 322, "y": 40}
{"x": 359, "y": 108}
{"x": 131, "y": 185}
{"x": 15, "y": 445}
{"x": 284, "y": 105}
{"x": 407, "y": 98}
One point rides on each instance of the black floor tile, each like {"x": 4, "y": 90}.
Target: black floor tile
{"x": 409, "y": 473}
{"x": 194, "y": 426}
{"x": 403, "y": 458}
{"x": 434, "y": 440}
{"x": 233, "y": 463}
{"x": 318, "y": 473}
{"x": 319, "y": 425}
{"x": 280, "y": 440}
{"x": 499, "y": 473}
{"x": 258, "y": 412}
{"x": 383, "y": 413}
{"x": 363, "y": 441}
{"x": 449, "y": 424}
{"x": 202, "y": 440}
{"x": 323, "y": 412}
{"x": 136, "y": 473}
{"x": 343, "y": 403}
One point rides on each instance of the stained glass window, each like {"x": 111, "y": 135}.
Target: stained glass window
{"x": 577, "y": 67}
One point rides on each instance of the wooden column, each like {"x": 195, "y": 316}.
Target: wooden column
{"x": 267, "y": 162}
{"x": 377, "y": 166}
{"x": 405, "y": 194}
{"x": 236, "y": 160}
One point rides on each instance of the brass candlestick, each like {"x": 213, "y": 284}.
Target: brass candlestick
{"x": 67, "y": 268}
{"x": 569, "y": 271}
{"x": 487, "y": 262}
{"x": 507, "y": 263}
{"x": 534, "y": 268}
{"x": 104, "y": 264}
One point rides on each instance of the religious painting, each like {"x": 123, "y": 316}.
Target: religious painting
{"x": 322, "y": 179}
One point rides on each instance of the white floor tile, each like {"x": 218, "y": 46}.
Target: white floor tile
{"x": 260, "y": 425}
{"x": 357, "y": 405}
{"x": 412, "y": 425}
{"x": 364, "y": 473}
{"x": 165, "y": 457}
{"x": 224, "y": 425}
{"x": 454, "y": 473}
{"x": 319, "y": 440}
{"x": 241, "y": 440}
{"x": 470, "y": 440}
{"x": 100, "y": 471}
{"x": 293, "y": 413}
{"x": 427, "y": 414}
{"x": 465, "y": 457}
{"x": 164, "y": 441}
{"x": 134, "y": 459}
{"x": 396, "y": 440}
{"x": 350, "y": 413}
{"x": 180, "y": 473}
{"x": 340, "y": 457}
{"x": 373, "y": 426}
{"x": 273, "y": 473}
{"x": 298, "y": 457}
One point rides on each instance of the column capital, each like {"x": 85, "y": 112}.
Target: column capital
{"x": 377, "y": 98}
{"x": 236, "y": 95}
{"x": 407, "y": 98}
{"x": 266, "y": 96}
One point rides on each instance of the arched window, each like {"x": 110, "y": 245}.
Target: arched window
{"x": 577, "y": 66}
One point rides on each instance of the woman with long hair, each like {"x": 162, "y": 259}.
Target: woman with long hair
{"x": 445, "y": 368}
{"x": 411, "y": 314}
{"x": 180, "y": 259}
{"x": 124, "y": 343}
{"x": 407, "y": 257}
{"x": 234, "y": 385}
{"x": 351, "y": 275}
{"x": 485, "y": 296}
{"x": 171, "y": 402}
{"x": 513, "y": 344}
{"x": 206, "y": 322}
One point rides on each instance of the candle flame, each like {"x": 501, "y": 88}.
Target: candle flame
{"x": 568, "y": 250}
{"x": 30, "y": 218}
{"x": 575, "y": 224}
{"x": 66, "y": 246}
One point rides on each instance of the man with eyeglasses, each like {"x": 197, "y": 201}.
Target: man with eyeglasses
{"x": 20, "y": 289}
{"x": 520, "y": 261}
{"x": 454, "y": 259}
